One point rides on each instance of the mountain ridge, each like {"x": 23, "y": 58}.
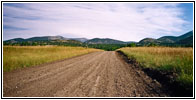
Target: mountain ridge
{"x": 184, "y": 39}
{"x": 169, "y": 40}
{"x": 104, "y": 41}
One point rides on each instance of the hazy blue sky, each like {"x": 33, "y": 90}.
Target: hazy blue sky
{"x": 122, "y": 21}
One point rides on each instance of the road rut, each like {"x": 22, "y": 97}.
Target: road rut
{"x": 99, "y": 74}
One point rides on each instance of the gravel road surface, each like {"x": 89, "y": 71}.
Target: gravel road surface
{"x": 99, "y": 74}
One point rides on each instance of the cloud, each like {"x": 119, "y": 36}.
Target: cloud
{"x": 13, "y": 28}
{"x": 122, "y": 21}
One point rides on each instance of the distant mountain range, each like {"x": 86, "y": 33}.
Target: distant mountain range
{"x": 79, "y": 39}
{"x": 60, "y": 38}
{"x": 46, "y": 38}
{"x": 104, "y": 41}
{"x": 185, "y": 39}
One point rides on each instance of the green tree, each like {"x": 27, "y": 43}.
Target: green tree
{"x": 132, "y": 45}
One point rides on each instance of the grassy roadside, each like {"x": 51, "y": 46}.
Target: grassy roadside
{"x": 178, "y": 60}
{"x": 15, "y": 57}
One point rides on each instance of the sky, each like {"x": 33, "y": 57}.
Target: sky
{"x": 121, "y": 21}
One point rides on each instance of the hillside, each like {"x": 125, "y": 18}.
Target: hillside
{"x": 15, "y": 40}
{"x": 167, "y": 39}
{"x": 173, "y": 39}
{"x": 184, "y": 36}
{"x": 182, "y": 40}
{"x": 45, "y": 38}
{"x": 79, "y": 39}
{"x": 147, "y": 41}
{"x": 104, "y": 41}
{"x": 188, "y": 40}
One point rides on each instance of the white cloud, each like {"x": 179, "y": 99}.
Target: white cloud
{"x": 122, "y": 21}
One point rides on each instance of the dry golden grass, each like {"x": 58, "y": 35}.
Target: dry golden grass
{"x": 179, "y": 60}
{"x": 15, "y": 57}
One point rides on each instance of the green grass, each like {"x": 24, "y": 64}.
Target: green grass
{"x": 15, "y": 57}
{"x": 178, "y": 60}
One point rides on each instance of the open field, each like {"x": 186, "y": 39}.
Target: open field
{"x": 177, "y": 60}
{"x": 98, "y": 74}
{"x": 15, "y": 57}
{"x": 102, "y": 74}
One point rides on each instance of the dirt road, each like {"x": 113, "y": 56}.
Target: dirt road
{"x": 100, "y": 74}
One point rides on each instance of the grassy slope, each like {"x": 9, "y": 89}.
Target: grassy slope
{"x": 179, "y": 60}
{"x": 15, "y": 57}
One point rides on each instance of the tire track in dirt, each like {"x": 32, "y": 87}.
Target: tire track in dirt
{"x": 100, "y": 74}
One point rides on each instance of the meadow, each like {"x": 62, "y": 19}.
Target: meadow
{"x": 178, "y": 60}
{"x": 15, "y": 57}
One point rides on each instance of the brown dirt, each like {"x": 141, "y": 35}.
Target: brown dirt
{"x": 100, "y": 74}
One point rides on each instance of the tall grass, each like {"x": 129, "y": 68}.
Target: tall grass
{"x": 178, "y": 60}
{"x": 15, "y": 57}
